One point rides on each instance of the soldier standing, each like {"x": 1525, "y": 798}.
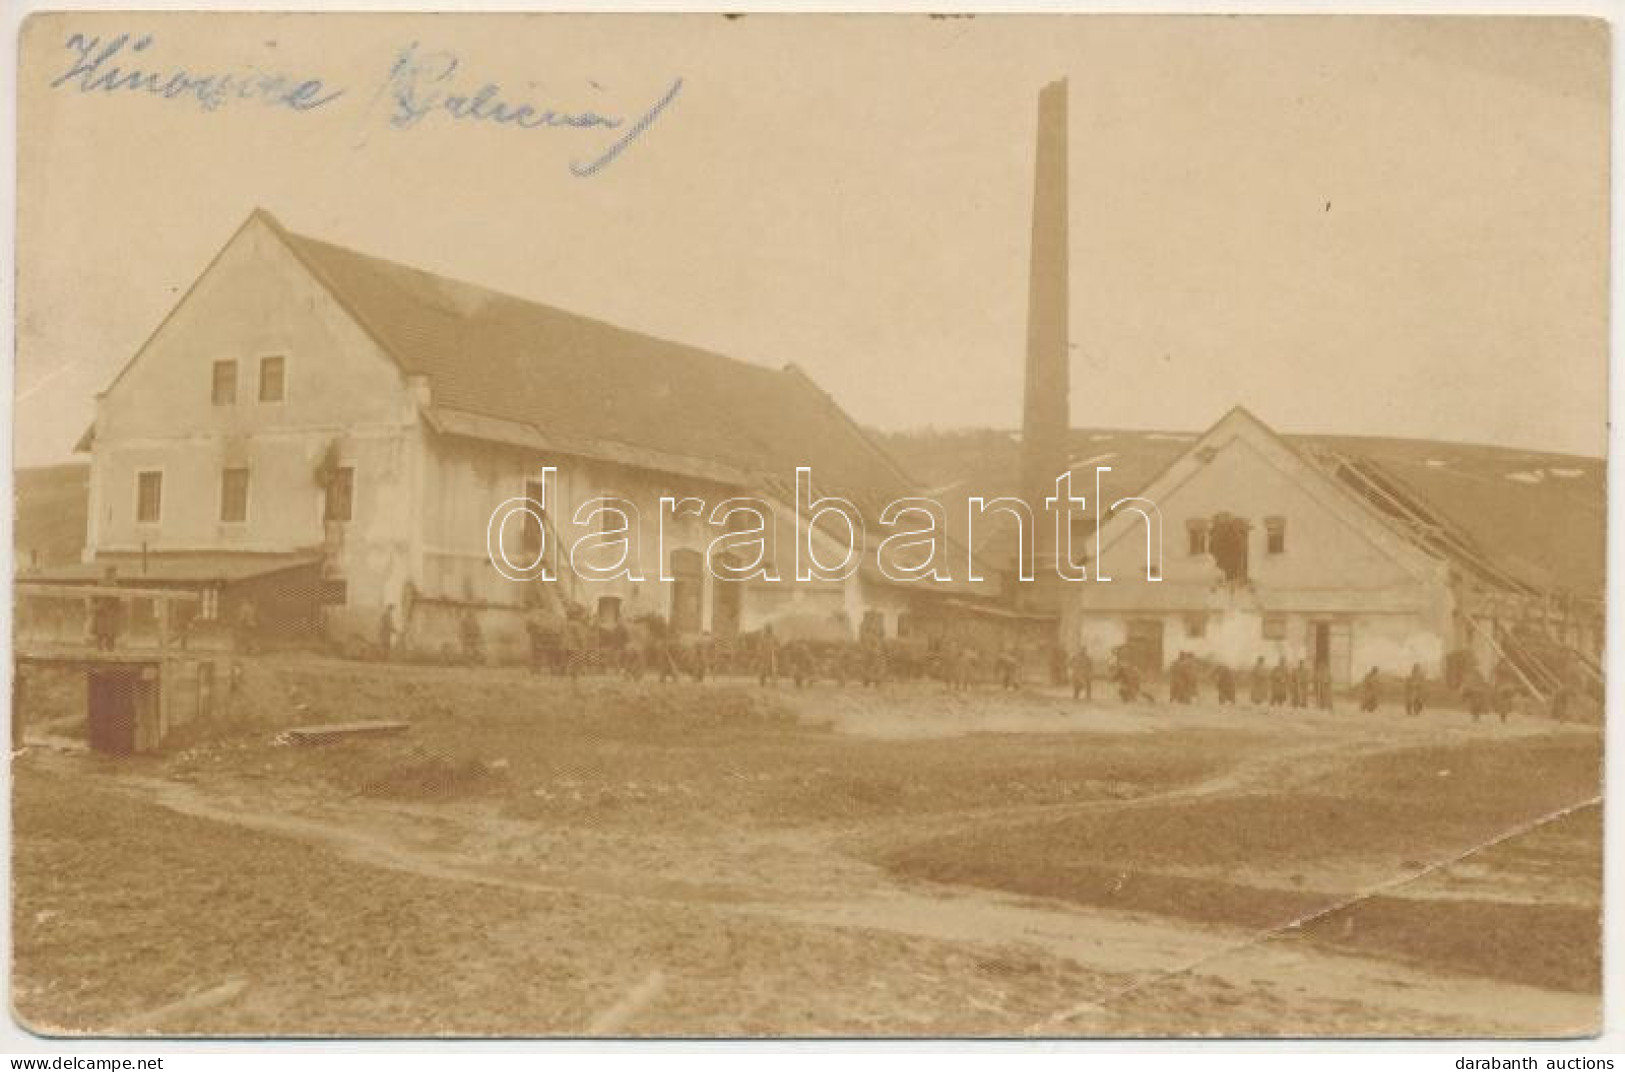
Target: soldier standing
{"x": 106, "y": 613}
{"x": 664, "y": 653}
{"x": 1083, "y": 674}
{"x": 1280, "y": 679}
{"x": 969, "y": 661}
{"x": 1260, "y": 692}
{"x": 1128, "y": 681}
{"x": 1180, "y": 686}
{"x": 1415, "y": 690}
{"x": 799, "y": 660}
{"x": 874, "y": 662}
{"x": 702, "y": 657}
{"x": 1370, "y": 691}
{"x": 541, "y": 628}
{"x": 1476, "y": 692}
{"x": 386, "y": 631}
{"x": 1323, "y": 685}
{"x": 1007, "y": 665}
{"x": 767, "y": 669}
{"x": 1224, "y": 679}
{"x": 1503, "y": 700}
{"x": 1300, "y": 684}
{"x": 470, "y": 638}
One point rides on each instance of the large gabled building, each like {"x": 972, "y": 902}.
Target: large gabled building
{"x": 329, "y": 433}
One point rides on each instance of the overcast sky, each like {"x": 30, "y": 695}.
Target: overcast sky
{"x": 1385, "y": 227}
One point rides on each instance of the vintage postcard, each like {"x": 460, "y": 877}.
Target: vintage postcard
{"x": 809, "y": 525}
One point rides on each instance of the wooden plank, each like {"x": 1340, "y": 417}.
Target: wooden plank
{"x": 92, "y": 657}
{"x": 339, "y": 730}
{"x": 104, "y": 591}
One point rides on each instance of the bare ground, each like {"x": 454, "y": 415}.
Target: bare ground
{"x": 683, "y": 860}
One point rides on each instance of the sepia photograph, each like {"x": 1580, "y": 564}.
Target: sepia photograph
{"x": 808, "y": 526}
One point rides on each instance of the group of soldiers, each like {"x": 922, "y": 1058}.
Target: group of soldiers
{"x": 1295, "y": 685}
{"x": 1289, "y": 685}
{"x": 470, "y": 636}
{"x": 568, "y": 644}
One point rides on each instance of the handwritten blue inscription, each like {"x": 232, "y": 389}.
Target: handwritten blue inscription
{"x": 93, "y": 70}
{"x": 422, "y": 84}
{"x": 418, "y": 85}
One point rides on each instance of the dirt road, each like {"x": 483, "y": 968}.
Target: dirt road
{"x": 715, "y": 861}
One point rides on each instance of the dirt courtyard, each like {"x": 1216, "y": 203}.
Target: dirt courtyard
{"x": 537, "y": 858}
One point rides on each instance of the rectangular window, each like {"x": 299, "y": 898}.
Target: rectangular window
{"x": 149, "y": 496}
{"x": 1196, "y": 530}
{"x": 340, "y": 505}
{"x": 1274, "y": 627}
{"x": 225, "y": 383}
{"x": 273, "y": 378}
{"x": 234, "y": 495}
{"x": 1275, "y": 534}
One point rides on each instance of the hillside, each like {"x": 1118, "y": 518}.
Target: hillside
{"x": 51, "y": 506}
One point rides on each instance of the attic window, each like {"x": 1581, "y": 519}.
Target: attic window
{"x": 1196, "y": 530}
{"x": 149, "y": 496}
{"x": 224, "y": 390}
{"x": 273, "y": 378}
{"x": 1275, "y": 535}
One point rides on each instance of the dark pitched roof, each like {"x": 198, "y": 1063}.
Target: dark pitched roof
{"x": 582, "y": 380}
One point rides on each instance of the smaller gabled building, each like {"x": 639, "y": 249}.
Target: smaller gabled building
{"x": 1273, "y": 550}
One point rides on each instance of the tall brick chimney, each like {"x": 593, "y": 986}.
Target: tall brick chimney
{"x": 1047, "y": 415}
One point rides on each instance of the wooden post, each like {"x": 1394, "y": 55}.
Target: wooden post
{"x": 18, "y": 690}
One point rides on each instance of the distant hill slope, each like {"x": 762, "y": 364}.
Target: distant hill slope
{"x": 52, "y": 503}
{"x": 1542, "y": 516}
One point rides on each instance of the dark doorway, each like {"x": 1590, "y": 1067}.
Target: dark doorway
{"x": 1227, "y": 542}
{"x": 687, "y": 590}
{"x": 1144, "y": 645}
{"x": 1323, "y": 644}
{"x": 116, "y": 695}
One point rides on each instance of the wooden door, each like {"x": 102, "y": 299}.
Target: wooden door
{"x": 113, "y": 695}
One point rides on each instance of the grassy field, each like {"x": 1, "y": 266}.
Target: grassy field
{"x": 537, "y": 858}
